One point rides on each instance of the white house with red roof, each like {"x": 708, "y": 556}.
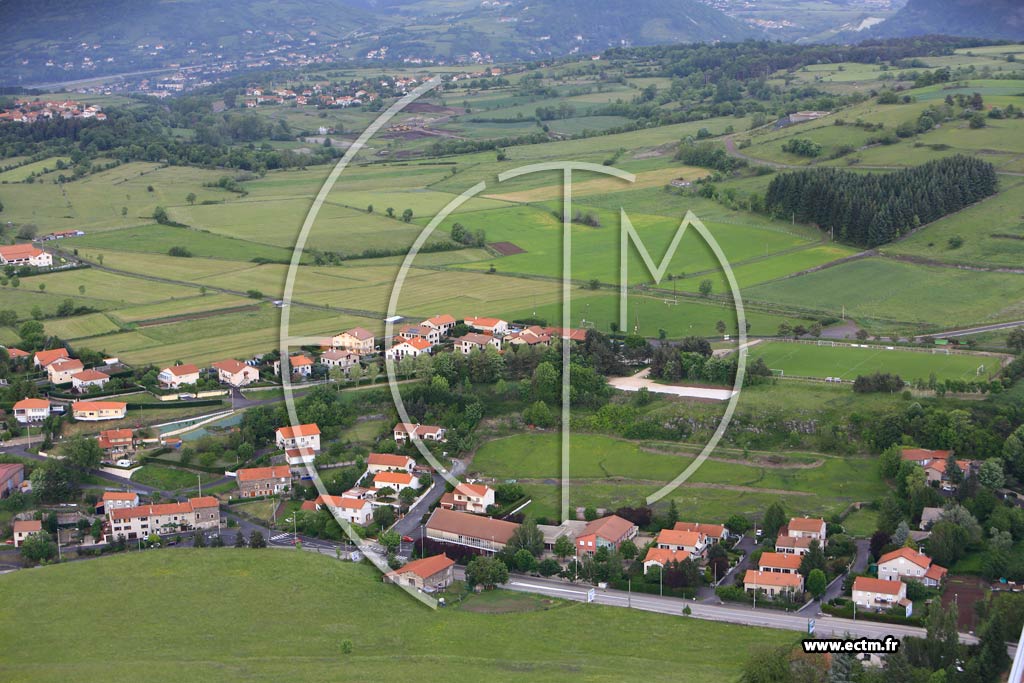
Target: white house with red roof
{"x": 429, "y": 334}
{"x": 300, "y": 436}
{"x": 443, "y": 323}
{"x": 871, "y": 593}
{"x": 659, "y": 557}
{"x": 474, "y": 341}
{"x": 176, "y": 376}
{"x": 772, "y": 584}
{"x": 95, "y": 411}
{"x": 906, "y": 563}
{"x": 31, "y": 410}
{"x": 115, "y": 442}
{"x": 301, "y": 365}
{"x": 384, "y": 462}
{"x": 796, "y": 536}
{"x": 25, "y": 528}
{"x": 236, "y": 373}
{"x": 694, "y": 542}
{"x": 405, "y": 431}
{"x": 395, "y": 480}
{"x": 340, "y": 358}
{"x": 783, "y": 563}
{"x": 43, "y": 358}
{"x": 82, "y": 381}
{"x": 492, "y": 326}
{"x": 113, "y": 500}
{"x": 25, "y": 255}
{"x": 62, "y": 370}
{"x": 427, "y": 574}
{"x": 468, "y": 497}
{"x": 353, "y": 510}
{"x": 715, "y": 533}
{"x": 408, "y": 348}
{"x": 357, "y": 339}
{"x": 140, "y": 521}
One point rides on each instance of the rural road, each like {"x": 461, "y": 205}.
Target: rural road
{"x": 641, "y": 381}
{"x": 974, "y": 330}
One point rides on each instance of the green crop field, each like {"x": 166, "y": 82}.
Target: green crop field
{"x": 180, "y": 599}
{"x": 16, "y": 175}
{"x": 158, "y": 239}
{"x": 607, "y": 472}
{"x": 848, "y": 361}
{"x": 889, "y": 295}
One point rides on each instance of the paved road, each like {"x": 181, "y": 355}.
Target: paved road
{"x": 974, "y": 330}
{"x": 410, "y": 525}
{"x": 826, "y": 626}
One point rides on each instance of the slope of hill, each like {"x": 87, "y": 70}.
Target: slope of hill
{"x": 228, "y": 615}
{"x": 995, "y": 19}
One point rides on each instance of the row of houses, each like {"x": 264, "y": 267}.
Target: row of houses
{"x": 935, "y": 462}
{"x": 35, "y": 409}
{"x": 231, "y": 372}
{"x": 778, "y": 572}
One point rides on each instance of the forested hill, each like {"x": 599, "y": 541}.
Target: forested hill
{"x": 993, "y": 19}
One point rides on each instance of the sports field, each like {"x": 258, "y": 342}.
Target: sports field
{"x": 191, "y": 615}
{"x": 847, "y": 361}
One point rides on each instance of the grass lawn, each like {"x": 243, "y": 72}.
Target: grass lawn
{"x": 606, "y": 472}
{"x": 258, "y": 509}
{"x": 846, "y": 361}
{"x": 861, "y": 523}
{"x": 169, "y": 478}
{"x": 208, "y": 627}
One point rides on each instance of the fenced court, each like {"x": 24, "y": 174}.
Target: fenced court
{"x": 838, "y": 360}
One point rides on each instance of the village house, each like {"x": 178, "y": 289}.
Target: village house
{"x": 476, "y": 342}
{"x": 606, "y": 532}
{"x": 115, "y": 500}
{"x": 427, "y": 574}
{"x": 352, "y": 510}
{"x": 408, "y": 348}
{"x": 141, "y": 521}
{"x": 530, "y": 336}
{"x": 715, "y": 533}
{"x": 16, "y": 354}
{"x": 31, "y": 410}
{"x": 43, "y": 358}
{"x": 94, "y": 411}
{"x": 82, "y": 381}
{"x": 442, "y": 323}
{"x": 773, "y": 584}
{"x": 424, "y": 332}
{"x": 12, "y": 475}
{"x": 385, "y": 462}
{"x": 398, "y": 481}
{"x": 871, "y": 593}
{"x": 792, "y": 545}
{"x": 357, "y": 339}
{"x": 471, "y": 531}
{"x": 301, "y": 365}
{"x": 492, "y": 326}
{"x": 405, "y": 431}
{"x": 254, "y": 482}
{"x": 935, "y": 471}
{"x": 236, "y": 373}
{"x": 660, "y": 557}
{"x": 176, "y": 376}
{"x": 116, "y": 442}
{"x": 923, "y": 456}
{"x": 905, "y": 563}
{"x": 301, "y": 436}
{"x": 806, "y": 527}
{"x": 299, "y": 457}
{"x": 692, "y": 542}
{"x": 475, "y": 498}
{"x": 339, "y": 358}
{"x": 25, "y": 528}
{"x": 62, "y": 370}
{"x": 25, "y": 255}
{"x": 783, "y": 563}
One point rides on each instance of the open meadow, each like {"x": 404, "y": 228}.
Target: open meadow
{"x": 498, "y": 635}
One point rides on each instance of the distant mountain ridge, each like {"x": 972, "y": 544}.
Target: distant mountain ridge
{"x": 995, "y": 19}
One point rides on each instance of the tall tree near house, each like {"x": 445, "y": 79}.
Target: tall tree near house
{"x": 563, "y": 547}
{"x": 813, "y": 559}
{"x": 774, "y": 519}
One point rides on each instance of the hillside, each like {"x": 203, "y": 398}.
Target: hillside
{"x": 994, "y": 19}
{"x": 232, "y": 615}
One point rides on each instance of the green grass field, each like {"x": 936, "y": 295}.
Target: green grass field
{"x": 169, "y": 478}
{"x": 609, "y": 473}
{"x": 847, "y": 361}
{"x": 194, "y": 616}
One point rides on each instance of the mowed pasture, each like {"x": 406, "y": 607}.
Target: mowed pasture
{"x": 847, "y": 361}
{"x": 208, "y": 591}
{"x": 160, "y": 239}
{"x": 607, "y": 472}
{"x": 889, "y": 295}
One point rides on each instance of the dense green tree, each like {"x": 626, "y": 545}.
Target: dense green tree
{"x": 487, "y": 572}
